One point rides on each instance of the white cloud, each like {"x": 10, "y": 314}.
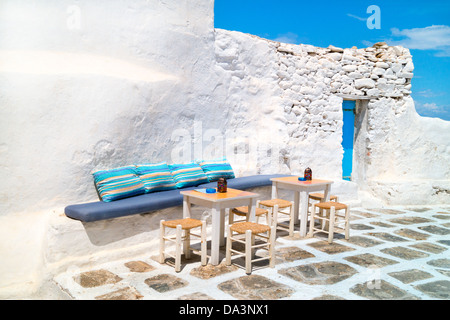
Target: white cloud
{"x": 356, "y": 17}
{"x": 431, "y": 107}
{"x": 433, "y": 110}
{"x": 289, "y": 37}
{"x": 428, "y": 38}
{"x": 428, "y": 93}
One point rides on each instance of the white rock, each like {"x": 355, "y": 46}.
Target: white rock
{"x": 381, "y": 64}
{"x": 378, "y": 71}
{"x": 355, "y": 75}
{"x": 409, "y": 67}
{"x": 407, "y": 75}
{"x": 309, "y": 48}
{"x": 336, "y": 56}
{"x": 349, "y": 68}
{"x": 363, "y": 69}
{"x": 364, "y": 83}
{"x": 396, "y": 67}
{"x": 335, "y": 49}
{"x": 373, "y": 92}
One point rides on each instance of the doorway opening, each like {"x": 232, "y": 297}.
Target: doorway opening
{"x": 348, "y": 131}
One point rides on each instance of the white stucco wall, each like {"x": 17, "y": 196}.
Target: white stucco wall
{"x": 89, "y": 85}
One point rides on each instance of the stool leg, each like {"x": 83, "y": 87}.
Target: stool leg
{"x": 311, "y": 222}
{"x": 230, "y": 217}
{"x": 291, "y": 222}
{"x": 162, "y": 231}
{"x": 331, "y": 225}
{"x": 269, "y": 216}
{"x": 228, "y": 248}
{"x": 178, "y": 249}
{"x": 324, "y": 213}
{"x": 275, "y": 216}
{"x": 257, "y": 206}
{"x": 272, "y": 246}
{"x": 187, "y": 244}
{"x": 347, "y": 227}
{"x": 203, "y": 244}
{"x": 248, "y": 251}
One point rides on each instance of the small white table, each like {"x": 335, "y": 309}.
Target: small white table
{"x": 218, "y": 202}
{"x": 301, "y": 194}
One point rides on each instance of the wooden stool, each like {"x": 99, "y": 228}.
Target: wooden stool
{"x": 333, "y": 217}
{"x": 243, "y": 212}
{"x": 245, "y": 232}
{"x": 320, "y": 197}
{"x": 182, "y": 224}
{"x": 276, "y": 205}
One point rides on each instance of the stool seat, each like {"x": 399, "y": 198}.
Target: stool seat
{"x": 275, "y": 205}
{"x": 255, "y": 228}
{"x": 186, "y": 223}
{"x": 331, "y": 216}
{"x": 245, "y": 233}
{"x": 329, "y": 204}
{"x": 320, "y": 196}
{"x": 182, "y": 226}
{"x": 273, "y": 202}
{"x": 243, "y": 211}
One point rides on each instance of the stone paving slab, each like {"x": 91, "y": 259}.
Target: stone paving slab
{"x": 395, "y": 253}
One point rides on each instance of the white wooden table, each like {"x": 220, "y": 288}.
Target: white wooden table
{"x": 301, "y": 194}
{"x": 218, "y": 202}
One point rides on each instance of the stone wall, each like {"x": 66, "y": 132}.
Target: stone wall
{"x": 399, "y": 157}
{"x": 146, "y": 81}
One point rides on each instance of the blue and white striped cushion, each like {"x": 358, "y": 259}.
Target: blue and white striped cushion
{"x": 118, "y": 183}
{"x": 156, "y": 176}
{"x": 215, "y": 169}
{"x": 188, "y": 175}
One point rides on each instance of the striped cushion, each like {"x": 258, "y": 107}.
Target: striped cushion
{"x": 215, "y": 169}
{"x": 118, "y": 183}
{"x": 188, "y": 175}
{"x": 156, "y": 177}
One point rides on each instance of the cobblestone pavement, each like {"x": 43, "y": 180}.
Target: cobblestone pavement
{"x": 392, "y": 254}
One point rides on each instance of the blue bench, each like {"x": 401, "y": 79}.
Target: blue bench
{"x": 99, "y": 210}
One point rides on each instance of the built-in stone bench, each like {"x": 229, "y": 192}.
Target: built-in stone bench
{"x": 99, "y": 210}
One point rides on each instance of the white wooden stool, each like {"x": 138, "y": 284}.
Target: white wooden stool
{"x": 332, "y": 217}
{"x": 243, "y": 212}
{"x": 179, "y": 239}
{"x": 275, "y": 205}
{"x": 246, "y": 232}
{"x": 320, "y": 197}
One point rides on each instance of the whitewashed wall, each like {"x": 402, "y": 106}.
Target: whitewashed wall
{"x": 87, "y": 85}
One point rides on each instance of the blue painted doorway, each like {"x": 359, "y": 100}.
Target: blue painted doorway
{"x": 348, "y": 129}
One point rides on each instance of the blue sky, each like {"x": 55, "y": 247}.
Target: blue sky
{"x": 421, "y": 26}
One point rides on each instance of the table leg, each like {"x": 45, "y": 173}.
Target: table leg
{"x": 296, "y": 205}
{"x": 215, "y": 236}
{"x": 274, "y": 191}
{"x": 252, "y": 210}
{"x": 222, "y": 227}
{"x": 186, "y": 207}
{"x": 303, "y": 212}
{"x": 326, "y": 193}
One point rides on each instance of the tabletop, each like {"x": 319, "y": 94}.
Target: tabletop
{"x": 294, "y": 181}
{"x": 219, "y": 196}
